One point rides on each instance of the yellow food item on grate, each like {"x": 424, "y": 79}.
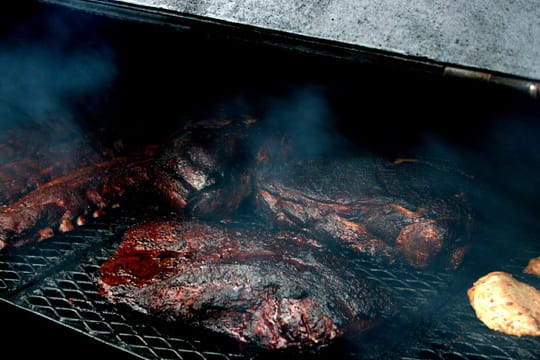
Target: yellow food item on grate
{"x": 533, "y": 267}
{"x": 505, "y": 304}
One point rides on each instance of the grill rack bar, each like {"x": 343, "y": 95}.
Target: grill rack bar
{"x": 53, "y": 280}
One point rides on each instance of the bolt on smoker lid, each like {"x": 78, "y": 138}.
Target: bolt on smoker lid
{"x": 491, "y": 41}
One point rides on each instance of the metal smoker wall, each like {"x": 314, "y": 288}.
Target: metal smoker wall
{"x": 498, "y": 38}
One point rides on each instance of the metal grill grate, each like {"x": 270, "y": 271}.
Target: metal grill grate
{"x": 71, "y": 297}
{"x": 454, "y": 332}
{"x": 54, "y": 278}
{"x": 20, "y": 268}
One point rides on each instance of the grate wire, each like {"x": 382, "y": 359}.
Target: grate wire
{"x": 54, "y": 278}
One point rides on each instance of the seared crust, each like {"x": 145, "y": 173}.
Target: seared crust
{"x": 505, "y": 304}
{"x": 533, "y": 267}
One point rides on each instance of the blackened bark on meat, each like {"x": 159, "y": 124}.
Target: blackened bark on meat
{"x": 410, "y": 210}
{"x": 207, "y": 169}
{"x": 34, "y": 154}
{"x": 274, "y": 290}
{"x": 28, "y": 137}
{"x": 72, "y": 199}
{"x": 203, "y": 170}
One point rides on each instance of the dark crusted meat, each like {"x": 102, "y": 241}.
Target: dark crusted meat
{"x": 34, "y": 154}
{"x": 69, "y": 200}
{"x": 273, "y": 290}
{"x": 203, "y": 169}
{"x": 408, "y": 209}
{"x": 411, "y": 210}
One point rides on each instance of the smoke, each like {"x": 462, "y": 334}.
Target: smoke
{"x": 48, "y": 60}
{"x": 504, "y": 164}
{"x": 298, "y": 121}
{"x": 51, "y": 62}
{"x": 306, "y": 116}
{"x": 505, "y": 157}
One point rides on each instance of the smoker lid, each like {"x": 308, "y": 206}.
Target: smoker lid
{"x": 498, "y": 37}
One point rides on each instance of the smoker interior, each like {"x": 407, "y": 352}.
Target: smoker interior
{"x": 157, "y": 77}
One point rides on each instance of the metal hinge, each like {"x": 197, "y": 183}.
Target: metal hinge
{"x": 531, "y": 88}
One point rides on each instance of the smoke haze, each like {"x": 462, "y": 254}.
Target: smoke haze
{"x": 46, "y": 61}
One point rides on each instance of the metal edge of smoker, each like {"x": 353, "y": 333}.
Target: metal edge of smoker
{"x": 54, "y": 333}
{"x": 299, "y": 43}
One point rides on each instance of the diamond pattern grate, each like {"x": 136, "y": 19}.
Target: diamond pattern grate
{"x": 54, "y": 278}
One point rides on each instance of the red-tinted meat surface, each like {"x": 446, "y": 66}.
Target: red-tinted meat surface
{"x": 274, "y": 290}
{"x": 37, "y": 153}
{"x": 59, "y": 205}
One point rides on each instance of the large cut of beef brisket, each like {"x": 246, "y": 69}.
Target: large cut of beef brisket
{"x": 411, "y": 210}
{"x": 275, "y": 290}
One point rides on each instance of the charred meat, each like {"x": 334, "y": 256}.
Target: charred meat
{"x": 36, "y": 153}
{"x": 201, "y": 170}
{"x": 52, "y": 179}
{"x": 59, "y": 205}
{"x": 206, "y": 168}
{"x": 275, "y": 290}
{"x": 415, "y": 211}
{"x": 410, "y": 210}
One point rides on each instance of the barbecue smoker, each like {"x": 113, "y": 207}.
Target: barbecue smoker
{"x": 451, "y": 87}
